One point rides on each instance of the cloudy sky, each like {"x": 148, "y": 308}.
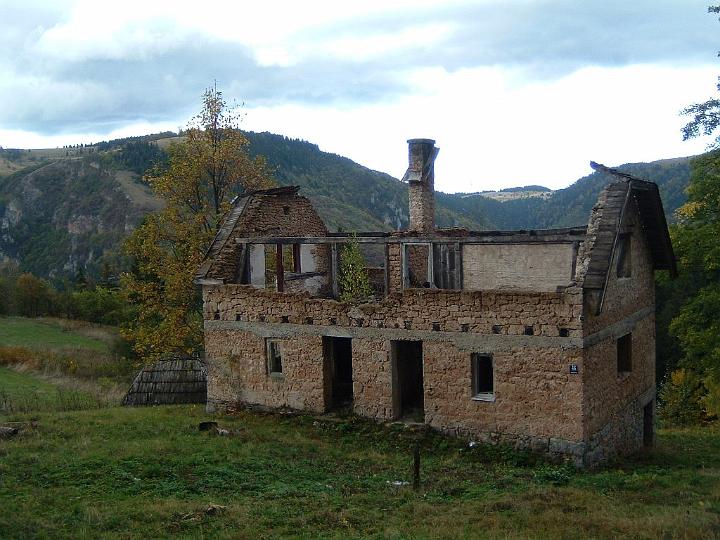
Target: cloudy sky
{"x": 514, "y": 91}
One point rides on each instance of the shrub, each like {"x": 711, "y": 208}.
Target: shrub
{"x": 681, "y": 399}
{"x": 354, "y": 279}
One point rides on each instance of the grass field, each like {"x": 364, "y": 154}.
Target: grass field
{"x": 51, "y": 334}
{"x": 72, "y": 365}
{"x": 80, "y": 468}
{"x": 149, "y": 472}
{"x": 21, "y": 392}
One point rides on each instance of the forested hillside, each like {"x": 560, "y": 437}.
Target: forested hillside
{"x": 70, "y": 208}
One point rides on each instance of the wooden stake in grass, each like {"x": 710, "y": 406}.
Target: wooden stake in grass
{"x": 416, "y": 467}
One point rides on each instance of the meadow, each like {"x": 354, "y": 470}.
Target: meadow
{"x": 102, "y": 471}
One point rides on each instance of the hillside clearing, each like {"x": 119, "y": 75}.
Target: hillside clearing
{"x": 149, "y": 472}
{"x": 50, "y": 333}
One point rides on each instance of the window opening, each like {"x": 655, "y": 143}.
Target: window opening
{"x": 483, "y": 384}
{"x": 624, "y": 354}
{"x": 446, "y": 266}
{"x": 624, "y": 257}
{"x": 417, "y": 266}
{"x": 273, "y": 352}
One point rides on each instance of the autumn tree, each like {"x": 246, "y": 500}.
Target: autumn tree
{"x": 202, "y": 174}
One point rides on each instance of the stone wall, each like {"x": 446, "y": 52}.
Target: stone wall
{"x": 372, "y": 378}
{"x": 484, "y": 312}
{"x": 610, "y": 399}
{"x": 535, "y": 396}
{"x": 268, "y": 215}
{"x": 237, "y": 371}
{"x": 625, "y": 296}
{"x": 537, "y": 267}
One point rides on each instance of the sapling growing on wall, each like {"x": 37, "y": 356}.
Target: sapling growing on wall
{"x": 353, "y": 277}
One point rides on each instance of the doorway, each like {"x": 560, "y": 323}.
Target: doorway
{"x": 648, "y": 425}
{"x": 408, "y": 390}
{"x": 338, "y": 357}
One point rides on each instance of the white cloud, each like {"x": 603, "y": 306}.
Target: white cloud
{"x": 494, "y": 133}
{"x": 511, "y": 91}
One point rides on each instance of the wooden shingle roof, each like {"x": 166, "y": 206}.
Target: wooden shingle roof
{"x": 612, "y": 205}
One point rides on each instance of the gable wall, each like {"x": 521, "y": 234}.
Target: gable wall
{"x": 612, "y": 400}
{"x": 264, "y": 215}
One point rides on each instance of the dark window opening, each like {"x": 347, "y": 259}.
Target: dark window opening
{"x": 273, "y": 353}
{"x": 337, "y": 354}
{"x": 624, "y": 256}
{"x": 624, "y": 354}
{"x": 408, "y": 386}
{"x": 296, "y": 258}
{"x": 529, "y": 331}
{"x": 286, "y": 210}
{"x": 496, "y": 329}
{"x": 564, "y": 332}
{"x": 483, "y": 384}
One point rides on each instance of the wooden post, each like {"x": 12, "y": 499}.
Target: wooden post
{"x": 334, "y": 270}
{"x": 279, "y": 268}
{"x": 416, "y": 467}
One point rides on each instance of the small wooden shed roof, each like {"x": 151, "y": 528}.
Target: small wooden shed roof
{"x": 173, "y": 380}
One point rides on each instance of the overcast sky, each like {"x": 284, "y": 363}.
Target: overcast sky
{"x": 514, "y": 91}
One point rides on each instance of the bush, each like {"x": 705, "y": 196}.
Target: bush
{"x": 681, "y": 399}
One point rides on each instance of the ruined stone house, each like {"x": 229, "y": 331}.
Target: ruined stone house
{"x": 541, "y": 339}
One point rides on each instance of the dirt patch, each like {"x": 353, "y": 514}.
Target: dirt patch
{"x": 140, "y": 194}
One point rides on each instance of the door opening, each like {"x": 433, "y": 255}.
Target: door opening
{"x": 338, "y": 358}
{"x": 648, "y": 425}
{"x": 408, "y": 390}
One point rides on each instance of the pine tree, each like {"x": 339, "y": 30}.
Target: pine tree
{"x": 354, "y": 279}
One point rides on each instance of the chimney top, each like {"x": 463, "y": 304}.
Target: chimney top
{"x": 421, "y": 141}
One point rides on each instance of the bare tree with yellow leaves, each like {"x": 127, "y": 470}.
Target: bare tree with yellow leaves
{"x": 203, "y": 172}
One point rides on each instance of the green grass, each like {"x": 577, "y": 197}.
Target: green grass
{"x": 21, "y": 392}
{"x": 148, "y": 472}
{"x": 45, "y": 334}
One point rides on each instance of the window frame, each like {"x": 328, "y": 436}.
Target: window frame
{"x": 475, "y": 383}
{"x": 273, "y": 353}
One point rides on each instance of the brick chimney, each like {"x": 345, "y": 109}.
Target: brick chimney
{"x": 421, "y": 178}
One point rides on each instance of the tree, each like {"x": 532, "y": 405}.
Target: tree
{"x": 696, "y": 326}
{"x": 32, "y": 295}
{"x": 202, "y": 174}
{"x": 354, "y": 280}
{"x": 706, "y": 116}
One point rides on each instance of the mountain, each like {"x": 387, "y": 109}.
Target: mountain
{"x": 63, "y": 209}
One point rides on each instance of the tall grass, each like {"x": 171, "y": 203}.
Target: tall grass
{"x": 62, "y": 399}
{"x": 70, "y": 361}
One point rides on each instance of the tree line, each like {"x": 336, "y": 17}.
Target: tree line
{"x": 24, "y": 294}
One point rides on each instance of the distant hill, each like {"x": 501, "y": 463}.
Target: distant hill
{"x": 61, "y": 209}
{"x": 525, "y": 188}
